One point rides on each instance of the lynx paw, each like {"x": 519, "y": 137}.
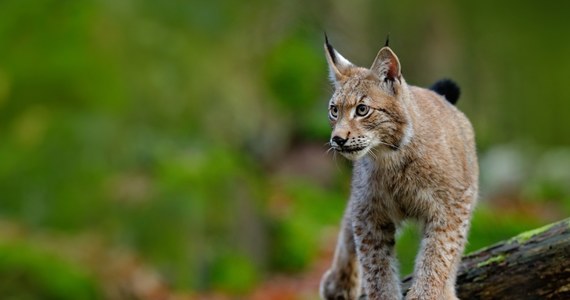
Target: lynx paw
{"x": 338, "y": 285}
{"x": 448, "y": 294}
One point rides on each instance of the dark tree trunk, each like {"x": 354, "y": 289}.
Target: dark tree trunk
{"x": 532, "y": 265}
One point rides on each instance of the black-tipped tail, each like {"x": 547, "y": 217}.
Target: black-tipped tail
{"x": 447, "y": 88}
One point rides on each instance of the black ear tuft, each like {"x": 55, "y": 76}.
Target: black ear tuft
{"x": 447, "y": 88}
{"x": 387, "y": 44}
{"x": 330, "y": 49}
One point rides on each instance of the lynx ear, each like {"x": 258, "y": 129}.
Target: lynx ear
{"x": 387, "y": 67}
{"x": 338, "y": 65}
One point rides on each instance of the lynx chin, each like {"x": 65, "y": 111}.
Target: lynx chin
{"x": 414, "y": 157}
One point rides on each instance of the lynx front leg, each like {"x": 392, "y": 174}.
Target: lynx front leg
{"x": 374, "y": 241}
{"x": 436, "y": 267}
{"x": 341, "y": 281}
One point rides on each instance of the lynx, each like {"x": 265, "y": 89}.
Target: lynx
{"x": 414, "y": 157}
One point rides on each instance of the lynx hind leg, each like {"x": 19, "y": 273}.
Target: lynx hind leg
{"x": 341, "y": 281}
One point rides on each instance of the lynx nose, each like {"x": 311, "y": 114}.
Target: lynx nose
{"x": 338, "y": 140}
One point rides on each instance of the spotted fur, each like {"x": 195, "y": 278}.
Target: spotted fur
{"x": 414, "y": 158}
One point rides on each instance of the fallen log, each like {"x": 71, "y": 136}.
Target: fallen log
{"x": 532, "y": 265}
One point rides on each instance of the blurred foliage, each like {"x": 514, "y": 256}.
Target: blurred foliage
{"x": 190, "y": 131}
{"x": 27, "y": 273}
{"x": 296, "y": 231}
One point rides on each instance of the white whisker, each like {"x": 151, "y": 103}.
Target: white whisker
{"x": 334, "y": 152}
{"x": 388, "y": 144}
{"x": 335, "y": 161}
{"x": 371, "y": 152}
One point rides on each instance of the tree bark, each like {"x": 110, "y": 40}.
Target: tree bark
{"x": 532, "y": 265}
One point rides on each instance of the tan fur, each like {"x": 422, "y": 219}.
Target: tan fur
{"x": 414, "y": 157}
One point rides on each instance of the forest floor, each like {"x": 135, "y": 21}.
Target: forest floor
{"x": 300, "y": 286}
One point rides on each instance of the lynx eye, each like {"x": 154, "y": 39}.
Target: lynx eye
{"x": 362, "y": 110}
{"x": 333, "y": 112}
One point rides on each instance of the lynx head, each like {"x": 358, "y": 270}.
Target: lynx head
{"x": 367, "y": 111}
